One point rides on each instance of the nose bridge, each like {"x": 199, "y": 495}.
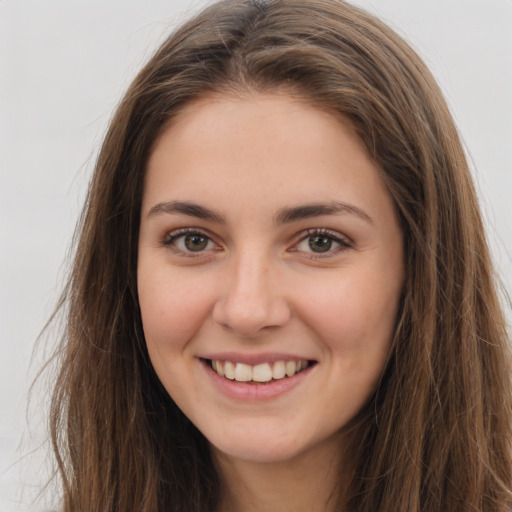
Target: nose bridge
{"x": 252, "y": 298}
{"x": 251, "y": 274}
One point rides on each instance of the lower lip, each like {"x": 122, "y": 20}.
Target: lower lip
{"x": 255, "y": 392}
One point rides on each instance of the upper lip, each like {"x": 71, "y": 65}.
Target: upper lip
{"x": 253, "y": 359}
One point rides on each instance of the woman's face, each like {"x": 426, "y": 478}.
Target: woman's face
{"x": 270, "y": 270}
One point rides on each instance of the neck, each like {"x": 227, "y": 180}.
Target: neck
{"x": 307, "y": 483}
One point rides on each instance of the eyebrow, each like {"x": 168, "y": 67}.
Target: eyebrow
{"x": 284, "y": 216}
{"x": 187, "y": 208}
{"x": 294, "y": 213}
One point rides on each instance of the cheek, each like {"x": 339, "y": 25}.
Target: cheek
{"x": 172, "y": 309}
{"x": 355, "y": 314}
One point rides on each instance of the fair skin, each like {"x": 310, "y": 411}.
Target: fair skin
{"x": 270, "y": 271}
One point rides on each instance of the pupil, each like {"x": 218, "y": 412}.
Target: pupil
{"x": 320, "y": 243}
{"x": 196, "y": 242}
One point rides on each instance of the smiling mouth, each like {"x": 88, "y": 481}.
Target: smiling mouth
{"x": 260, "y": 373}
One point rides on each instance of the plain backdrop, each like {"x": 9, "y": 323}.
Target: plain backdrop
{"x": 63, "y": 67}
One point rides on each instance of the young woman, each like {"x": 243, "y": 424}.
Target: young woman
{"x": 282, "y": 297}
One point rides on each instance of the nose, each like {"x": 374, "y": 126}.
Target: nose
{"x": 252, "y": 298}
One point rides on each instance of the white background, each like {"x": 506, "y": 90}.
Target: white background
{"x": 63, "y": 67}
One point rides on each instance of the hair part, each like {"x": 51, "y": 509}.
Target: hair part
{"x": 437, "y": 433}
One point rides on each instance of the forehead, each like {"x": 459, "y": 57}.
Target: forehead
{"x": 228, "y": 149}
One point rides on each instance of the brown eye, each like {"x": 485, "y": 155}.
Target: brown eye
{"x": 195, "y": 242}
{"x": 320, "y": 243}
{"x": 189, "y": 242}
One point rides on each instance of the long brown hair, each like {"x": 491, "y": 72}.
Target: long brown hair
{"x": 437, "y": 434}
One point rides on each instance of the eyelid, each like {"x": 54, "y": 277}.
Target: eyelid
{"x": 171, "y": 236}
{"x": 345, "y": 243}
{"x": 343, "y": 240}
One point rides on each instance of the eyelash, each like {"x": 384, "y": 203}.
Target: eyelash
{"x": 343, "y": 243}
{"x": 170, "y": 241}
{"x": 333, "y": 236}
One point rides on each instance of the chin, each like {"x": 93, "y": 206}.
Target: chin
{"x": 256, "y": 452}
{"x": 269, "y": 448}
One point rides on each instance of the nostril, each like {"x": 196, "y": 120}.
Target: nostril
{"x": 248, "y": 312}
{"x": 249, "y": 317}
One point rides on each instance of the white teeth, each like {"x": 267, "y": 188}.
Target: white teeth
{"x": 291, "y": 368}
{"x": 218, "y": 368}
{"x": 263, "y": 372}
{"x": 243, "y": 372}
{"x": 229, "y": 370}
{"x": 279, "y": 370}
